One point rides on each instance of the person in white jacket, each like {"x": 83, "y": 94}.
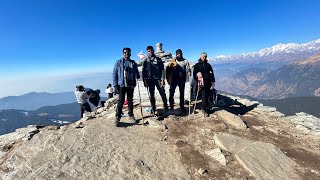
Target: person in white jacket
{"x": 82, "y": 98}
{"x": 109, "y": 91}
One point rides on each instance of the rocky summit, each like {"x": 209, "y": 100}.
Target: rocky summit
{"x": 241, "y": 139}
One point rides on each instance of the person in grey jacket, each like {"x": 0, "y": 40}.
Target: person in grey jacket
{"x": 125, "y": 73}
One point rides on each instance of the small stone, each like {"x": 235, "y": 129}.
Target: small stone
{"x": 202, "y": 171}
{"x": 259, "y": 128}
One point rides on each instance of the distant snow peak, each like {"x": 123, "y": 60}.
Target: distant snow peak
{"x": 221, "y": 56}
{"x": 280, "y": 50}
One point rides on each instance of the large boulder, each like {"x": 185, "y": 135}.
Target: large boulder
{"x": 263, "y": 160}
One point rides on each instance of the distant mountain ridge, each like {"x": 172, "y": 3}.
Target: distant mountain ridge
{"x": 293, "y": 80}
{"x": 48, "y": 115}
{"x": 284, "y": 70}
{"x": 290, "y": 52}
{"x": 34, "y": 100}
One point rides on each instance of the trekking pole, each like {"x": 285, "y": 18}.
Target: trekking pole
{"x": 196, "y": 99}
{"x": 189, "y": 98}
{"x": 140, "y": 104}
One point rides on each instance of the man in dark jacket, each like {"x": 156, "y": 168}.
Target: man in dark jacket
{"x": 208, "y": 79}
{"x": 125, "y": 73}
{"x": 153, "y": 76}
{"x": 95, "y": 97}
{"x": 177, "y": 72}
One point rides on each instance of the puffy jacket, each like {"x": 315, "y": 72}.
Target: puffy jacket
{"x": 176, "y": 71}
{"x": 153, "y": 68}
{"x": 206, "y": 70}
{"x": 120, "y": 74}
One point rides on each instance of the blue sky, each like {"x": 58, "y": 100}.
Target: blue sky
{"x": 46, "y": 38}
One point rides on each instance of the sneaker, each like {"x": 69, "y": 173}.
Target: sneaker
{"x": 117, "y": 122}
{"x": 132, "y": 119}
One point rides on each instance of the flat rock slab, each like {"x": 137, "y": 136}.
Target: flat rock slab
{"x": 98, "y": 151}
{"x": 231, "y": 119}
{"x": 263, "y": 160}
{"x": 265, "y": 109}
{"x": 276, "y": 114}
{"x": 218, "y": 156}
{"x": 306, "y": 123}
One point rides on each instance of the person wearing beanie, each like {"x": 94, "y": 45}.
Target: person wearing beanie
{"x": 206, "y": 73}
{"x": 177, "y": 73}
{"x": 203, "y": 54}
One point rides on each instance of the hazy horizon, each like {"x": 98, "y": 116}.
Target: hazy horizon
{"x": 43, "y": 43}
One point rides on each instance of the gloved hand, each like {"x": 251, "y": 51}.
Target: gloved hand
{"x": 116, "y": 89}
{"x": 163, "y": 83}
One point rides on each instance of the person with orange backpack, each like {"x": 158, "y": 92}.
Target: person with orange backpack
{"x": 203, "y": 74}
{"x": 177, "y": 74}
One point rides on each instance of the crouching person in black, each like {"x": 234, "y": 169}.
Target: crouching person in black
{"x": 208, "y": 79}
{"x": 82, "y": 98}
{"x": 95, "y": 97}
{"x": 125, "y": 73}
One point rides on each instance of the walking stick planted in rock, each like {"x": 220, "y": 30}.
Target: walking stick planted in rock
{"x": 189, "y": 97}
{"x": 196, "y": 99}
{"x": 140, "y": 104}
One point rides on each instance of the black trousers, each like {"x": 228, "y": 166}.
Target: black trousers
{"x": 152, "y": 83}
{"x": 181, "y": 85}
{"x": 95, "y": 101}
{"x": 110, "y": 95}
{"x": 84, "y": 107}
{"x": 122, "y": 94}
{"x": 205, "y": 91}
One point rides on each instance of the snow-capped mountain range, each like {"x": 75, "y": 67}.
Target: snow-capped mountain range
{"x": 281, "y": 52}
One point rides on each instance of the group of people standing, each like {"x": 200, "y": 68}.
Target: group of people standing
{"x": 125, "y": 74}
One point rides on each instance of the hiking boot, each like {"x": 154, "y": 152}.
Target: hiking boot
{"x": 171, "y": 108}
{"x": 166, "y": 108}
{"x": 117, "y": 122}
{"x": 154, "y": 113}
{"x": 183, "y": 110}
{"x": 205, "y": 114}
{"x": 132, "y": 119}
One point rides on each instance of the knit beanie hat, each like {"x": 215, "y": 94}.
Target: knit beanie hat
{"x": 178, "y": 51}
{"x": 203, "y": 53}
